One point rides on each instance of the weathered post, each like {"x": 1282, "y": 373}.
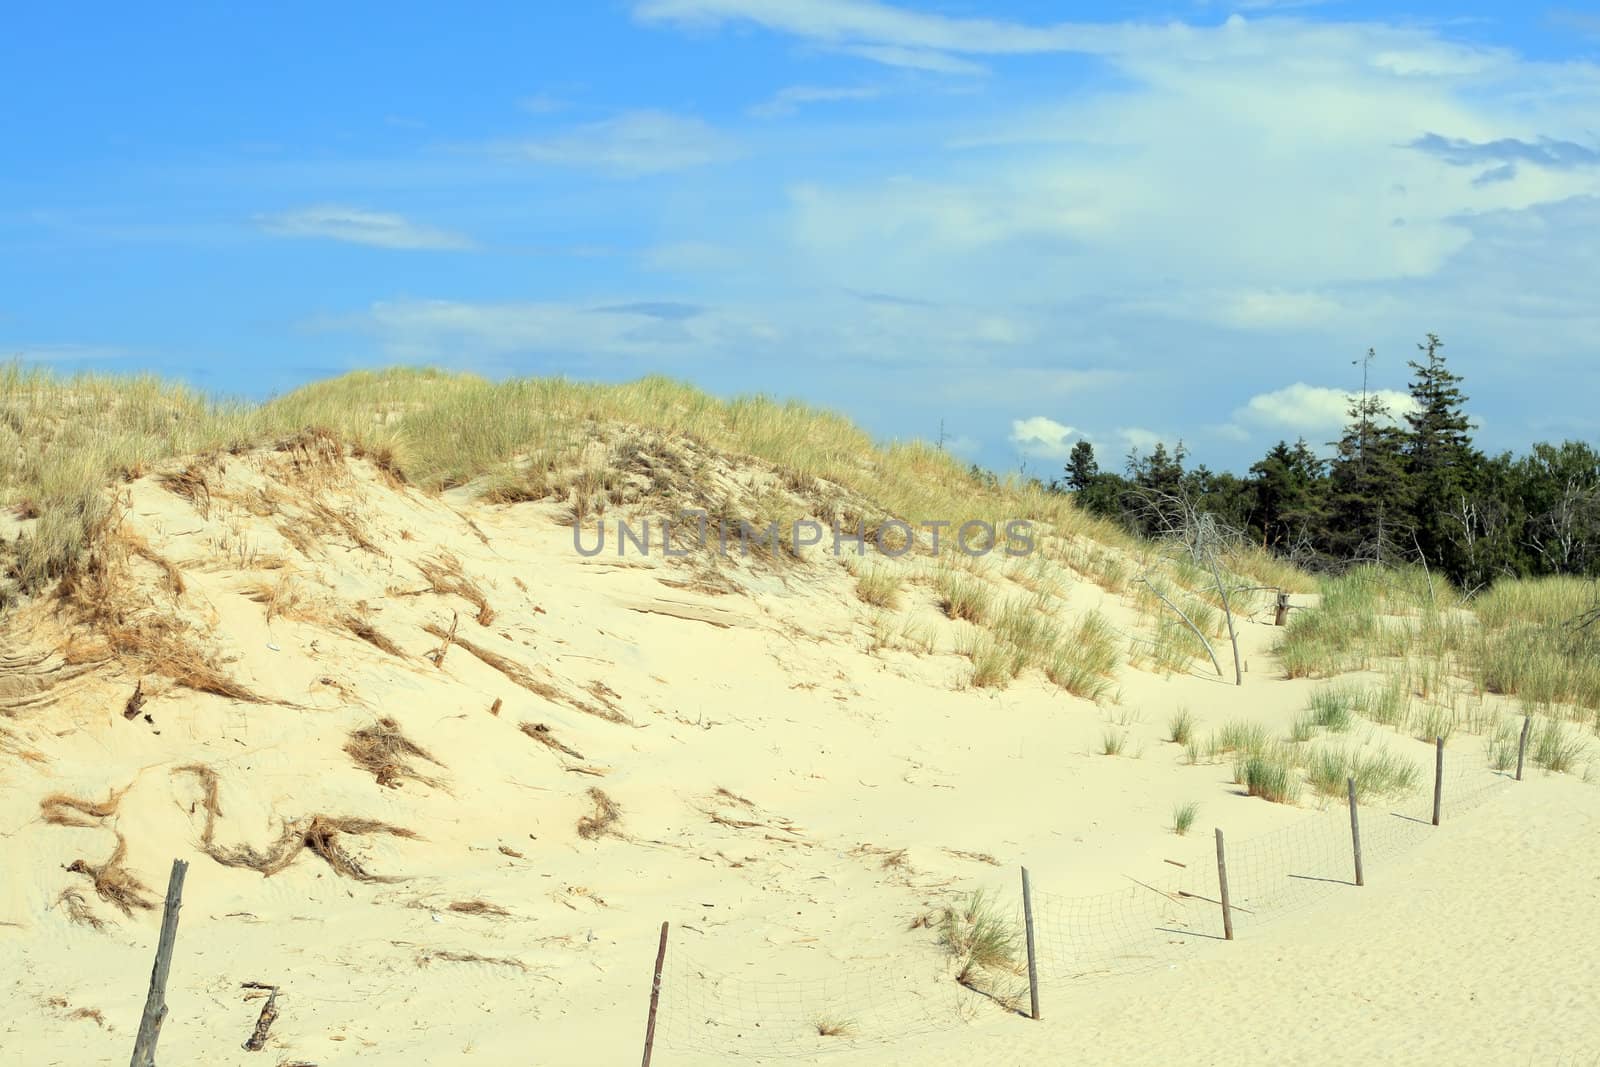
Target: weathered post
{"x": 1355, "y": 833}
{"x": 1222, "y": 881}
{"x": 655, "y": 997}
{"x": 1438, "y": 776}
{"x": 1282, "y": 616}
{"x": 1522, "y": 745}
{"x": 155, "y": 1004}
{"x": 1033, "y": 968}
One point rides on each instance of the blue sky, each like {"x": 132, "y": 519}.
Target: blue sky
{"x": 1156, "y": 221}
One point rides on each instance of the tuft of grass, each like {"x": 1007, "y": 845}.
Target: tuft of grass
{"x": 964, "y": 596}
{"x": 1269, "y": 774}
{"x": 880, "y": 587}
{"x": 1378, "y": 772}
{"x": 1239, "y": 736}
{"x": 1434, "y": 721}
{"x": 1334, "y": 708}
{"x": 1113, "y": 741}
{"x": 833, "y": 1026}
{"x": 1180, "y": 727}
{"x": 979, "y": 938}
{"x": 1084, "y": 661}
{"x": 1557, "y": 748}
{"x": 1183, "y": 816}
{"x": 994, "y": 664}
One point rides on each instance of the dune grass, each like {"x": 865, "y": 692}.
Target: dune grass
{"x": 1377, "y": 771}
{"x": 1268, "y": 773}
{"x": 979, "y": 937}
{"x": 63, "y": 439}
{"x": 879, "y": 586}
{"x": 1183, "y": 816}
{"x": 1180, "y": 727}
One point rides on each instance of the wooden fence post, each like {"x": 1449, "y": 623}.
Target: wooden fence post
{"x": 1522, "y": 745}
{"x": 1438, "y": 776}
{"x": 1281, "y": 617}
{"x": 1355, "y": 833}
{"x": 655, "y": 997}
{"x": 155, "y": 1004}
{"x": 1033, "y": 969}
{"x": 1222, "y": 881}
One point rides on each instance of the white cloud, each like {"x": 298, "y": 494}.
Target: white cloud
{"x": 632, "y": 144}
{"x": 1311, "y": 408}
{"x": 357, "y": 226}
{"x": 1041, "y": 437}
{"x": 1138, "y": 437}
{"x": 788, "y": 100}
{"x": 927, "y": 59}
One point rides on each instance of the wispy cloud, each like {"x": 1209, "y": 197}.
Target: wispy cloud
{"x": 356, "y": 226}
{"x": 631, "y": 328}
{"x": 633, "y": 144}
{"x": 790, "y": 99}
{"x": 541, "y": 104}
{"x": 1545, "y": 151}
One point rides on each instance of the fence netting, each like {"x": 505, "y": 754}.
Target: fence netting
{"x": 775, "y": 1009}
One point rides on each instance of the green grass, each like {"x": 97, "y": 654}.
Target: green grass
{"x": 1183, "y": 816}
{"x": 1084, "y": 662}
{"x": 65, "y": 439}
{"x": 994, "y": 664}
{"x": 880, "y": 587}
{"x": 979, "y": 937}
{"x": 964, "y": 596}
{"x": 1113, "y": 741}
{"x": 1180, "y": 727}
{"x": 1268, "y": 773}
{"x": 1334, "y": 708}
{"x": 1557, "y": 747}
{"x": 1432, "y": 722}
{"x": 1377, "y": 771}
{"x": 1239, "y": 736}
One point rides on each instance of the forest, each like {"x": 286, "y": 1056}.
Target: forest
{"x": 1398, "y": 488}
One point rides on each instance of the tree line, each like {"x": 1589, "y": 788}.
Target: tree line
{"x": 1408, "y": 489}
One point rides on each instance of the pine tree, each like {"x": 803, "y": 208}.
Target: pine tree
{"x": 1081, "y": 467}
{"x": 1285, "y": 487}
{"x": 1369, "y": 501}
{"x": 1441, "y": 464}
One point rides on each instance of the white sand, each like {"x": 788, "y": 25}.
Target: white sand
{"x": 1467, "y": 948}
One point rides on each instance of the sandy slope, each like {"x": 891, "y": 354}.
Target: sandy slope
{"x": 769, "y": 769}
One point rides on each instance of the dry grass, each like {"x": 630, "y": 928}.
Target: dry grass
{"x": 370, "y": 634}
{"x": 59, "y": 809}
{"x": 519, "y": 674}
{"x": 832, "y": 1026}
{"x": 114, "y": 883}
{"x": 445, "y": 576}
{"x": 318, "y": 834}
{"x": 78, "y": 910}
{"x": 603, "y": 820}
{"x": 427, "y": 956}
{"x": 541, "y": 733}
{"x": 478, "y": 907}
{"x": 384, "y": 751}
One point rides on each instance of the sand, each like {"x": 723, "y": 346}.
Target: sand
{"x": 789, "y": 798}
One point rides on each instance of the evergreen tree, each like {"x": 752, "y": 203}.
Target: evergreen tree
{"x": 1441, "y": 464}
{"x": 1082, "y": 469}
{"x": 1285, "y": 486}
{"x": 1369, "y": 501}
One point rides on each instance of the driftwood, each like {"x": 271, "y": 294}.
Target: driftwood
{"x": 269, "y": 1014}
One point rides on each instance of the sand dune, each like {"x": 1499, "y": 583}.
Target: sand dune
{"x": 440, "y": 777}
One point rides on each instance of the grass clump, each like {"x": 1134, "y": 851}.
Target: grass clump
{"x": 879, "y": 587}
{"x": 1269, "y": 774}
{"x": 832, "y": 1026}
{"x": 1113, "y": 742}
{"x": 1083, "y": 662}
{"x": 1334, "y": 708}
{"x": 1239, "y": 736}
{"x": 1180, "y": 727}
{"x": 603, "y": 820}
{"x": 979, "y": 938}
{"x": 1558, "y": 748}
{"x": 964, "y": 596}
{"x": 1378, "y": 772}
{"x": 1183, "y": 816}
